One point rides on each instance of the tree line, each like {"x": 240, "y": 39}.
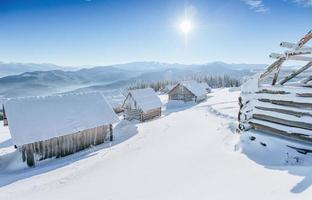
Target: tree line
{"x": 216, "y": 81}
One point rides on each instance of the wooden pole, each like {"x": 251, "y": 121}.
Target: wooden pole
{"x": 277, "y": 64}
{"x": 304, "y": 40}
{"x": 272, "y": 67}
{"x": 295, "y": 73}
{"x": 306, "y": 80}
{"x": 276, "y": 75}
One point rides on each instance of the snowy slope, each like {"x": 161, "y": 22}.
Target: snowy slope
{"x": 189, "y": 153}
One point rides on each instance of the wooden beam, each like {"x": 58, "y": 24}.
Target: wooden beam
{"x": 304, "y": 94}
{"x": 295, "y": 73}
{"x": 304, "y": 40}
{"x": 288, "y": 103}
{"x": 289, "y": 123}
{"x": 300, "y": 58}
{"x": 276, "y": 75}
{"x": 272, "y": 67}
{"x": 297, "y": 52}
{"x": 267, "y": 91}
{"x": 306, "y": 80}
{"x": 285, "y": 111}
{"x": 277, "y": 64}
{"x": 284, "y": 134}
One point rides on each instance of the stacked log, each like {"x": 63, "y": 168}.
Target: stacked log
{"x": 278, "y": 110}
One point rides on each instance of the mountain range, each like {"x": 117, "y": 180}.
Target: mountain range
{"x": 45, "y": 79}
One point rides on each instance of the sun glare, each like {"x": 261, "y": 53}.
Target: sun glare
{"x": 186, "y": 26}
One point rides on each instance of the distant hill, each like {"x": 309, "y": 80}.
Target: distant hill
{"x": 7, "y": 69}
{"x": 102, "y": 78}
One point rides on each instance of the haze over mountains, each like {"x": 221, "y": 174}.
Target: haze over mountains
{"x": 45, "y": 79}
{"x": 7, "y": 69}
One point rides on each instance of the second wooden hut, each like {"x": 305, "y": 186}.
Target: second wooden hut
{"x": 142, "y": 104}
{"x": 188, "y": 91}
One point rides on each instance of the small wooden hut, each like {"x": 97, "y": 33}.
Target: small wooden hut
{"x": 56, "y": 126}
{"x": 188, "y": 91}
{"x": 278, "y": 101}
{"x": 167, "y": 88}
{"x": 142, "y": 104}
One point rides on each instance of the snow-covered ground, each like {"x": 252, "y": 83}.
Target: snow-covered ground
{"x": 191, "y": 152}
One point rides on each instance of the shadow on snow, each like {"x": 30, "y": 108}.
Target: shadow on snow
{"x": 6, "y": 143}
{"x": 275, "y": 155}
{"x": 123, "y": 131}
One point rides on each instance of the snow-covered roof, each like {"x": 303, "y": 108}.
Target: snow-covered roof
{"x": 196, "y": 88}
{"x": 205, "y": 85}
{"x": 169, "y": 87}
{"x": 35, "y": 119}
{"x": 146, "y": 99}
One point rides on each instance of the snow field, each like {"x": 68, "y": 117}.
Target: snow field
{"x": 188, "y": 153}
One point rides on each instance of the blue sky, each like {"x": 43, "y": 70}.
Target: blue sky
{"x": 103, "y": 32}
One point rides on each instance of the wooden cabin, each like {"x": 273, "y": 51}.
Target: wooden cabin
{"x": 142, "y": 104}
{"x": 188, "y": 91}
{"x": 167, "y": 88}
{"x": 56, "y": 126}
{"x": 278, "y": 101}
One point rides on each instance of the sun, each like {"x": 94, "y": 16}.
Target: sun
{"x": 186, "y": 26}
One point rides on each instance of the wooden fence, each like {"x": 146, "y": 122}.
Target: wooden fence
{"x": 284, "y": 111}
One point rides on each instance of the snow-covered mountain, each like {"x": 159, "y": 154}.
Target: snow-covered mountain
{"x": 111, "y": 77}
{"x": 7, "y": 69}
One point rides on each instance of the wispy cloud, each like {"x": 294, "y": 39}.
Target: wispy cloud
{"x": 257, "y": 5}
{"x": 304, "y": 3}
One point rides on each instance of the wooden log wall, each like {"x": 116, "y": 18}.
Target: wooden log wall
{"x": 131, "y": 114}
{"x": 151, "y": 114}
{"x": 181, "y": 93}
{"x": 65, "y": 145}
{"x": 282, "y": 111}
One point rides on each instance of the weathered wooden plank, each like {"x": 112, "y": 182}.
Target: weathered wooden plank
{"x": 274, "y": 131}
{"x": 152, "y": 114}
{"x": 288, "y": 103}
{"x": 58, "y": 147}
{"x": 179, "y": 92}
{"x": 307, "y": 79}
{"x": 272, "y": 67}
{"x": 64, "y": 145}
{"x": 268, "y": 91}
{"x": 304, "y": 94}
{"x": 23, "y": 150}
{"x": 284, "y": 122}
{"x": 304, "y": 40}
{"x": 30, "y": 160}
{"x": 111, "y": 134}
{"x": 295, "y": 73}
{"x": 276, "y": 74}
{"x": 284, "y": 111}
